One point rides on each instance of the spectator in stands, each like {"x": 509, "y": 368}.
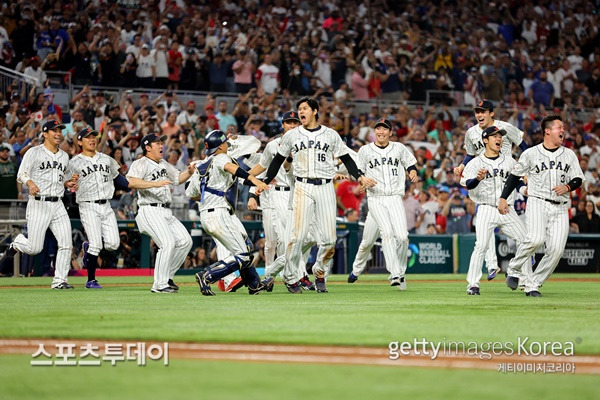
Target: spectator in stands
{"x": 348, "y": 196}
{"x": 175, "y": 61}
{"x": 243, "y": 70}
{"x": 267, "y": 76}
{"x": 542, "y": 91}
{"x": 271, "y": 125}
{"x": 225, "y": 119}
{"x": 456, "y": 213}
{"x": 412, "y": 209}
{"x": 146, "y": 70}
{"x": 587, "y": 221}
{"x": 159, "y": 53}
{"x": 187, "y": 118}
{"x": 217, "y": 72}
{"x": 9, "y": 186}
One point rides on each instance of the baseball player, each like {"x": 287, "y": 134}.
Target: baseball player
{"x": 218, "y": 178}
{"x": 387, "y": 163}
{"x": 151, "y": 175}
{"x": 314, "y": 149}
{"x": 553, "y": 171}
{"x": 484, "y": 177}
{"x": 474, "y": 146}
{"x": 243, "y": 149}
{"x": 43, "y": 170}
{"x": 96, "y": 172}
{"x": 277, "y": 202}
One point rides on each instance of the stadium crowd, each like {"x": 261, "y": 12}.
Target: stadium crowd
{"x": 421, "y": 66}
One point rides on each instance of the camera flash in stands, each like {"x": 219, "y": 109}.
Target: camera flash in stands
{"x": 224, "y": 23}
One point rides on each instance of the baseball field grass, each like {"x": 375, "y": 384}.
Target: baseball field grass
{"x": 368, "y": 313}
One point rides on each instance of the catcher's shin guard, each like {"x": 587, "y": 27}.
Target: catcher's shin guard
{"x": 224, "y": 267}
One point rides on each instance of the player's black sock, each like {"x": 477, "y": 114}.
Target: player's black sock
{"x": 92, "y": 264}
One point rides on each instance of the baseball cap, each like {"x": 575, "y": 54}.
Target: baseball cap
{"x": 53, "y": 124}
{"x": 443, "y": 188}
{"x": 3, "y": 147}
{"x": 144, "y": 95}
{"x": 290, "y": 116}
{"x": 383, "y": 122}
{"x": 191, "y": 102}
{"x": 151, "y": 138}
{"x": 484, "y": 105}
{"x": 491, "y": 131}
{"x": 85, "y": 132}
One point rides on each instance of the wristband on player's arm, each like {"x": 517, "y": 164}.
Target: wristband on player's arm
{"x": 472, "y": 183}
{"x": 351, "y": 166}
{"x": 254, "y": 196}
{"x": 523, "y": 146}
{"x": 510, "y": 185}
{"x": 121, "y": 183}
{"x": 411, "y": 168}
{"x": 240, "y": 173}
{"x": 274, "y": 167}
{"x": 574, "y": 184}
{"x": 467, "y": 158}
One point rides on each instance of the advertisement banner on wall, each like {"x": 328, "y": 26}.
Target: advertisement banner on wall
{"x": 581, "y": 254}
{"x": 430, "y": 254}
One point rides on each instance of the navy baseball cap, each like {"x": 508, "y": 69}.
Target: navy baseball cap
{"x": 290, "y": 116}
{"x": 484, "y": 105}
{"x": 151, "y": 138}
{"x": 491, "y": 131}
{"x": 383, "y": 122}
{"x": 85, "y": 132}
{"x": 53, "y": 124}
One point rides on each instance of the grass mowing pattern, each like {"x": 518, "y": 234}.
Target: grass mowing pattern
{"x": 365, "y": 313}
{"x": 231, "y": 380}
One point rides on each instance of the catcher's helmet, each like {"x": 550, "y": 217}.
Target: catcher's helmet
{"x": 213, "y": 140}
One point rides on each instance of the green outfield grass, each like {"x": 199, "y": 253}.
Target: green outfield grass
{"x": 366, "y": 313}
{"x": 231, "y": 380}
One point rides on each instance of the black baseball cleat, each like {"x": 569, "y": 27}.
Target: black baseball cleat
{"x": 474, "y": 291}
{"x": 352, "y": 278}
{"x": 204, "y": 286}
{"x": 512, "y": 282}
{"x": 8, "y": 254}
{"x": 172, "y": 285}
{"x": 62, "y": 286}
{"x": 264, "y": 286}
{"x": 321, "y": 286}
{"x": 533, "y": 293}
{"x": 306, "y": 284}
{"x": 294, "y": 288}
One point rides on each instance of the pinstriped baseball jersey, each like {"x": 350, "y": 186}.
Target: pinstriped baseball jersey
{"x": 547, "y": 169}
{"x": 283, "y": 178}
{"x": 46, "y": 169}
{"x": 474, "y": 144}
{"x": 314, "y": 152}
{"x": 96, "y": 176}
{"x": 150, "y": 170}
{"x": 387, "y": 166}
{"x": 218, "y": 179}
{"x": 490, "y": 188}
